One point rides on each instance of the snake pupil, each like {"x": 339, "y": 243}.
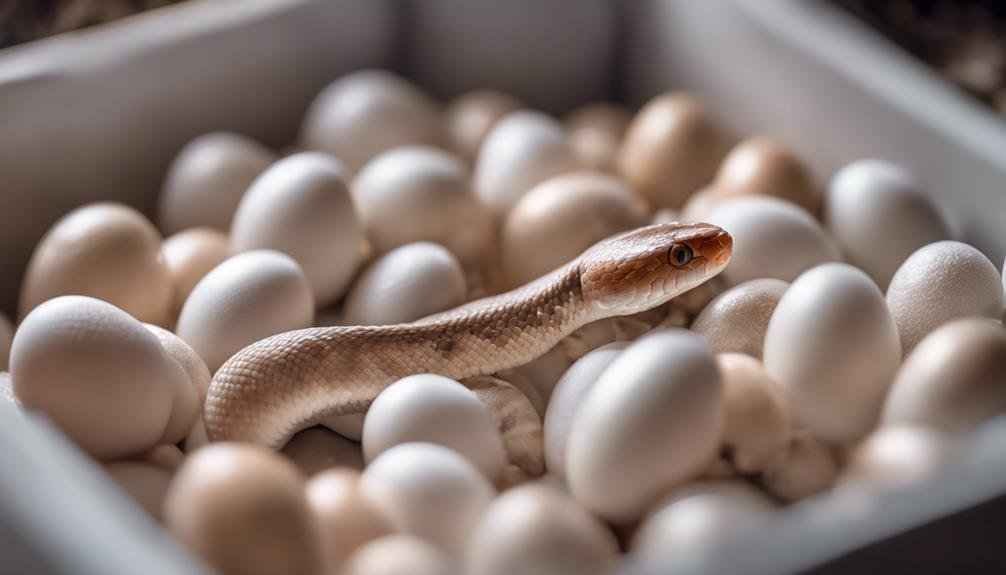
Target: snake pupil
{"x": 681, "y": 254}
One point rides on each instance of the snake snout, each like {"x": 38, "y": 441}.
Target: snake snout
{"x": 718, "y": 248}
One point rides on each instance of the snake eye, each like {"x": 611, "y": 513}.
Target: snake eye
{"x": 680, "y": 255}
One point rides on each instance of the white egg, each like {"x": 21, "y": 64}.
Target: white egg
{"x": 833, "y": 346}
{"x": 773, "y": 238}
{"x": 97, "y": 373}
{"x": 6, "y": 337}
{"x": 247, "y": 298}
{"x": 757, "y": 429}
{"x": 737, "y": 319}
{"x": 941, "y": 282}
{"x": 301, "y": 206}
{"x": 523, "y": 149}
{"x": 897, "y": 456}
{"x": 398, "y": 555}
{"x": 190, "y": 391}
{"x": 434, "y": 409}
{"x": 879, "y": 216}
{"x": 651, "y": 421}
{"x": 429, "y": 491}
{"x": 365, "y": 113}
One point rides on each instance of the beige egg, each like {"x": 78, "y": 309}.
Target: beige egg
{"x": 190, "y": 391}
{"x": 165, "y": 456}
{"x": 522, "y": 150}
{"x": 316, "y": 449}
{"x": 399, "y": 555}
{"x": 652, "y": 420}
{"x": 470, "y": 118}
{"x": 96, "y": 372}
{"x": 247, "y": 298}
{"x": 764, "y": 165}
{"x": 897, "y": 456}
{"x": 408, "y": 283}
{"x": 365, "y": 113}
{"x": 345, "y": 513}
{"x": 737, "y": 319}
{"x": 6, "y": 337}
{"x": 809, "y": 467}
{"x": 197, "y": 437}
{"x": 518, "y": 423}
{"x": 302, "y": 207}
{"x": 757, "y": 429}
{"x": 536, "y": 530}
{"x": 243, "y": 509}
{"x": 107, "y": 251}
{"x": 429, "y": 491}
{"x": 207, "y": 179}
{"x": 435, "y": 409}
{"x": 953, "y": 380}
{"x": 190, "y": 255}
{"x": 596, "y": 132}
{"x": 700, "y": 204}
{"x": 941, "y": 282}
{"x": 671, "y": 149}
{"x": 832, "y": 344}
{"x": 422, "y": 194}
{"x": 773, "y": 238}
{"x": 561, "y": 217}
{"x": 146, "y": 483}
{"x": 566, "y": 399}
{"x": 878, "y": 215}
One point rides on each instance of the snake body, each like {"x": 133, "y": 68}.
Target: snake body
{"x": 279, "y": 385}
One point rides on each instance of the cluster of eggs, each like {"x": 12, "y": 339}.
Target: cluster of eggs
{"x": 850, "y": 341}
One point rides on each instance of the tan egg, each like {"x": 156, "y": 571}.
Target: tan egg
{"x": 408, "y": 283}
{"x": 566, "y": 399}
{"x": 435, "y": 409}
{"x": 563, "y": 216}
{"x": 522, "y": 150}
{"x": 596, "y": 131}
{"x": 96, "y": 373}
{"x": 247, "y": 298}
{"x": 243, "y": 509}
{"x": 190, "y": 392}
{"x": 941, "y": 282}
{"x": 146, "y": 483}
{"x": 536, "y": 530}
{"x": 773, "y": 238}
{"x": 207, "y": 179}
{"x": 953, "y": 380}
{"x": 470, "y": 118}
{"x": 897, "y": 456}
{"x": 652, "y": 420}
{"x": 167, "y": 457}
{"x": 6, "y": 337}
{"x": 365, "y": 113}
{"x": 429, "y": 491}
{"x": 671, "y": 149}
{"x": 833, "y": 347}
{"x": 107, "y": 251}
{"x": 737, "y": 319}
{"x": 422, "y": 194}
{"x": 197, "y": 437}
{"x": 809, "y": 467}
{"x": 302, "y": 207}
{"x": 345, "y": 513}
{"x": 757, "y": 429}
{"x": 190, "y": 255}
{"x": 399, "y": 555}
{"x": 518, "y": 424}
{"x": 879, "y": 216}
{"x": 767, "y": 166}
{"x": 316, "y": 449}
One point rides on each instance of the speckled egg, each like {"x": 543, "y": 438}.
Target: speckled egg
{"x": 472, "y": 116}
{"x": 765, "y": 165}
{"x": 737, "y": 319}
{"x": 190, "y": 255}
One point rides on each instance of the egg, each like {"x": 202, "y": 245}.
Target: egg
{"x": 6, "y": 337}
{"x": 190, "y": 255}
{"x": 243, "y": 509}
{"x": 652, "y": 420}
{"x": 829, "y": 316}
{"x": 953, "y": 380}
{"x": 878, "y": 215}
{"x": 700, "y": 204}
{"x": 671, "y": 149}
{"x": 470, "y": 118}
{"x": 145, "y": 480}
{"x": 737, "y": 319}
{"x": 165, "y": 456}
{"x": 897, "y": 456}
{"x": 518, "y": 424}
{"x": 435, "y": 409}
{"x": 347, "y": 517}
{"x": 399, "y": 555}
{"x": 537, "y": 530}
{"x": 596, "y": 132}
{"x": 104, "y": 250}
{"x": 757, "y": 429}
{"x": 95, "y": 372}
{"x": 7, "y": 396}
{"x": 522, "y": 150}
{"x": 190, "y": 391}
{"x": 316, "y": 449}
{"x": 772, "y": 238}
{"x": 302, "y": 207}
{"x": 349, "y": 426}
{"x": 367, "y": 112}
{"x": 246, "y": 298}
{"x": 941, "y": 282}
{"x": 765, "y": 165}
{"x": 429, "y": 491}
{"x": 807, "y": 468}
{"x": 561, "y": 217}
{"x": 207, "y": 179}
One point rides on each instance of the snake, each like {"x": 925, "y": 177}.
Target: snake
{"x": 287, "y": 382}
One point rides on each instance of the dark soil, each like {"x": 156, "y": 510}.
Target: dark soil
{"x": 26, "y": 20}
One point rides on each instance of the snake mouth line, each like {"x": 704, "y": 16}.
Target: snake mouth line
{"x": 718, "y": 248}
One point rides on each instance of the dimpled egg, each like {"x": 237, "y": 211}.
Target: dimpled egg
{"x": 190, "y": 255}
{"x": 651, "y": 421}
{"x": 737, "y": 319}
{"x": 472, "y": 116}
{"x": 832, "y": 344}
{"x": 941, "y": 282}
{"x": 766, "y": 166}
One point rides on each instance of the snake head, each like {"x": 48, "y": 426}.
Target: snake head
{"x": 641, "y": 269}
